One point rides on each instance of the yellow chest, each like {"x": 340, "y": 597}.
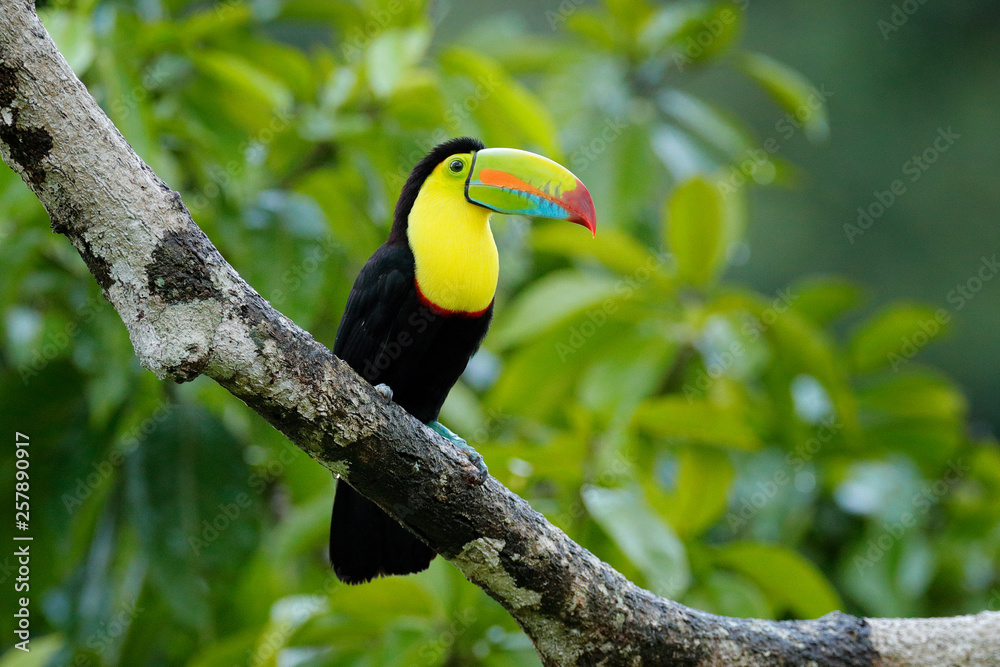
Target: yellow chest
{"x": 454, "y": 252}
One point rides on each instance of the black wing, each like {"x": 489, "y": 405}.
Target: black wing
{"x": 365, "y": 542}
{"x": 383, "y": 294}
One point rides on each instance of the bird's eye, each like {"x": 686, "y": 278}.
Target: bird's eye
{"x": 456, "y": 166}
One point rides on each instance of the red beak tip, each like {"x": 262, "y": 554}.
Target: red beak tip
{"x": 579, "y": 202}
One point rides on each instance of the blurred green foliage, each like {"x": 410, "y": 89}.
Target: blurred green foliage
{"x": 730, "y": 449}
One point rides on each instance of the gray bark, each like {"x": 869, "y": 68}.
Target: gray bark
{"x": 188, "y": 313}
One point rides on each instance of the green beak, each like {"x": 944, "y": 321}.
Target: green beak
{"x": 507, "y": 180}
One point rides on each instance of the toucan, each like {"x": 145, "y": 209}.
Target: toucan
{"x": 421, "y": 306}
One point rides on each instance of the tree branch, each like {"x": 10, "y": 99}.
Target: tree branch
{"x": 188, "y": 313}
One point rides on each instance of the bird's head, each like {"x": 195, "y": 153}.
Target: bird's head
{"x": 505, "y": 180}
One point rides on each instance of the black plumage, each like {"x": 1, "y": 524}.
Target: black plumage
{"x": 389, "y": 335}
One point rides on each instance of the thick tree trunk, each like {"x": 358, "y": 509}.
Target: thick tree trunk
{"x": 188, "y": 313}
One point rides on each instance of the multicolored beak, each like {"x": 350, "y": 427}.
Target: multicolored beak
{"x": 507, "y": 180}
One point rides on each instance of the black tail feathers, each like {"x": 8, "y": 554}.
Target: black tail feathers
{"x": 365, "y": 542}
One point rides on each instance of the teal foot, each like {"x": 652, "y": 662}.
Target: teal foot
{"x": 475, "y": 457}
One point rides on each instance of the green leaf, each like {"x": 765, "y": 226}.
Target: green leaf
{"x": 540, "y": 377}
{"x": 333, "y": 192}
{"x": 214, "y": 21}
{"x": 696, "y": 34}
{"x": 893, "y": 336}
{"x": 631, "y": 372}
{"x": 549, "y": 301}
{"x": 509, "y": 113}
{"x": 791, "y": 90}
{"x": 722, "y": 132}
{"x": 667, "y": 24}
{"x": 798, "y": 347}
{"x": 792, "y": 582}
{"x": 368, "y": 605}
{"x": 591, "y": 27}
{"x": 803, "y": 348}
{"x": 696, "y": 420}
{"x": 347, "y": 17}
{"x": 628, "y": 14}
{"x": 286, "y": 63}
{"x": 930, "y": 441}
{"x": 287, "y": 616}
{"x": 416, "y": 102}
{"x": 695, "y": 221}
{"x": 391, "y": 57}
{"x": 463, "y": 414}
{"x": 729, "y": 594}
{"x": 682, "y": 155}
{"x": 648, "y": 542}
{"x": 915, "y": 395}
{"x": 303, "y": 530}
{"x": 825, "y": 299}
{"x": 701, "y": 494}
{"x": 229, "y": 651}
{"x": 614, "y": 249}
{"x": 244, "y": 78}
